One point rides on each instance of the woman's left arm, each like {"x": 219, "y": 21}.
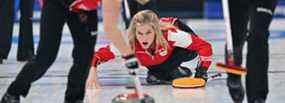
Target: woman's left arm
{"x": 194, "y": 43}
{"x": 204, "y": 50}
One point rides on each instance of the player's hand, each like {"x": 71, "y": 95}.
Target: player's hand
{"x": 83, "y": 5}
{"x": 92, "y": 80}
{"x": 201, "y": 73}
{"x": 131, "y": 62}
{"x": 102, "y": 55}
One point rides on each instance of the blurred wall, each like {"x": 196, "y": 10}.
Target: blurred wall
{"x": 204, "y": 9}
{"x": 210, "y": 9}
{"x": 213, "y": 9}
{"x": 181, "y": 8}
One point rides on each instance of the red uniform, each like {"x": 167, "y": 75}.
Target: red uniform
{"x": 175, "y": 38}
{"x": 163, "y": 64}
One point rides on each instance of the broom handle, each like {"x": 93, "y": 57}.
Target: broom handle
{"x": 138, "y": 86}
{"x": 127, "y": 9}
{"x": 226, "y": 14}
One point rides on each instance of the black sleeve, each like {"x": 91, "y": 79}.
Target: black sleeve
{"x": 182, "y": 26}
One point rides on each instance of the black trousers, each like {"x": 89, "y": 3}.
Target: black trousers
{"x": 26, "y": 42}
{"x": 135, "y": 7}
{"x": 168, "y": 69}
{"x": 55, "y": 14}
{"x": 258, "y": 14}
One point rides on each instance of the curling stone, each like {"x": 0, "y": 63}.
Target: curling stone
{"x": 132, "y": 98}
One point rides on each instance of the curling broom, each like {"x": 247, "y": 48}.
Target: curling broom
{"x": 229, "y": 67}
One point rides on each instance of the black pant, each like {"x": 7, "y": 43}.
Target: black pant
{"x": 26, "y": 42}
{"x": 135, "y": 7}
{"x": 258, "y": 13}
{"x": 167, "y": 69}
{"x": 55, "y": 14}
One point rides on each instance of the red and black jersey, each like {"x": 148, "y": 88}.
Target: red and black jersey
{"x": 175, "y": 38}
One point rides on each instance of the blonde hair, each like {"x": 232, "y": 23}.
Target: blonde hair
{"x": 150, "y": 18}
